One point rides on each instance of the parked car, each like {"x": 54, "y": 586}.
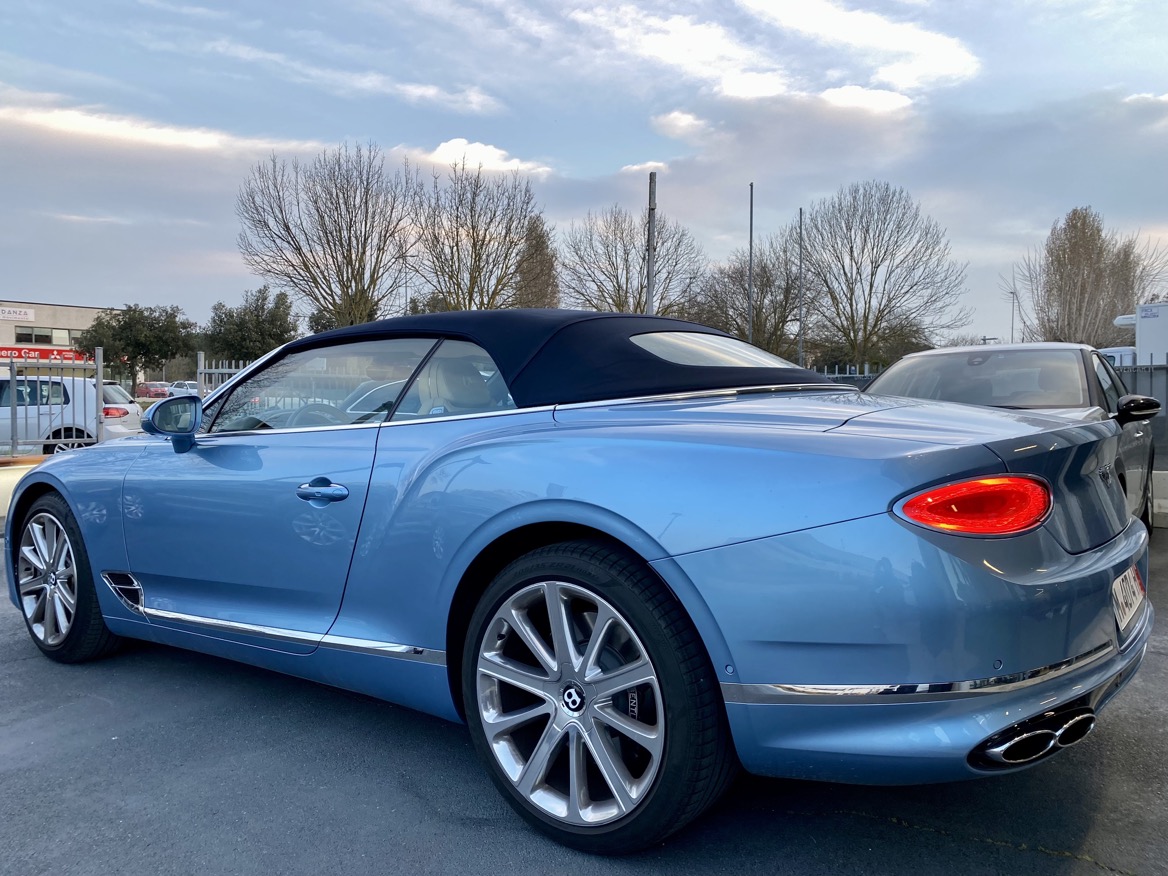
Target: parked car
{"x": 54, "y": 414}
{"x": 630, "y": 552}
{"x": 1067, "y": 380}
{"x": 152, "y": 389}
{"x": 183, "y": 387}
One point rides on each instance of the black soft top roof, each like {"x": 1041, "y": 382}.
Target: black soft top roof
{"x": 566, "y": 356}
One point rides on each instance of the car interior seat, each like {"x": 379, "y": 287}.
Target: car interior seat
{"x": 455, "y": 386}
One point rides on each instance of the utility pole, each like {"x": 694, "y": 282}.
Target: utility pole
{"x": 750, "y": 274}
{"x": 799, "y": 281}
{"x": 1013, "y": 303}
{"x": 651, "y": 257}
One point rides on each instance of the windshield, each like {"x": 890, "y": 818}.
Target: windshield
{"x": 1000, "y": 378}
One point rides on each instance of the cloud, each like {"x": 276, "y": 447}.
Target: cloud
{"x": 681, "y": 125}
{"x": 469, "y": 100}
{"x": 91, "y": 124}
{"x": 201, "y": 12}
{"x": 490, "y": 158}
{"x": 702, "y": 51}
{"x": 873, "y": 99}
{"x": 909, "y": 56}
{"x": 646, "y": 167}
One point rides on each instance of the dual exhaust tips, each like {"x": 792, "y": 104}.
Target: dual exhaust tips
{"x": 1034, "y": 739}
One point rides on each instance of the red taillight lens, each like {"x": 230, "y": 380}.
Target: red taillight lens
{"x": 114, "y": 413}
{"x": 985, "y": 506}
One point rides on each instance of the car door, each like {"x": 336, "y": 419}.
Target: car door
{"x": 249, "y": 534}
{"x": 1135, "y": 442}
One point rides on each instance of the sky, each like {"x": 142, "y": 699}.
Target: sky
{"x": 128, "y": 126}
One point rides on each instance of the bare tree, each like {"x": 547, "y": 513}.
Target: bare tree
{"x": 334, "y": 232}
{"x": 602, "y": 263}
{"x": 876, "y": 266}
{"x": 537, "y": 284}
{"x": 473, "y": 239}
{"x": 1083, "y": 277}
{"x": 726, "y": 299}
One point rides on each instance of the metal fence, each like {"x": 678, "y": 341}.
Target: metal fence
{"x": 46, "y": 406}
{"x": 212, "y": 374}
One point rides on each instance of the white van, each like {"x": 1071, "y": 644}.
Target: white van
{"x": 1119, "y": 355}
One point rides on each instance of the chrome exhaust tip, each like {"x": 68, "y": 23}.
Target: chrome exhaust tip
{"x": 1075, "y": 730}
{"x": 1034, "y": 739}
{"x": 1023, "y": 749}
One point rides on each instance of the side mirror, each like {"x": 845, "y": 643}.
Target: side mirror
{"x": 1136, "y": 407}
{"x": 176, "y": 418}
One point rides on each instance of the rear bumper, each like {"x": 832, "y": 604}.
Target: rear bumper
{"x": 912, "y": 738}
{"x": 874, "y": 652}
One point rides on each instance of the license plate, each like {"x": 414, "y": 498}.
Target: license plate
{"x": 1127, "y": 594}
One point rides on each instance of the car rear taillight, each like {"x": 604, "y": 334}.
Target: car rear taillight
{"x": 111, "y": 413}
{"x": 984, "y": 506}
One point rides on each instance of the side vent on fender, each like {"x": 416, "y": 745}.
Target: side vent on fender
{"x": 126, "y": 589}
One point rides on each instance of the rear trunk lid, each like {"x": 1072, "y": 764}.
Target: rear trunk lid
{"x": 1076, "y": 459}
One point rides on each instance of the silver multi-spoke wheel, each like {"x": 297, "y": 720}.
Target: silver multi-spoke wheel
{"x": 47, "y": 579}
{"x": 570, "y": 703}
{"x": 55, "y": 584}
{"x": 592, "y": 700}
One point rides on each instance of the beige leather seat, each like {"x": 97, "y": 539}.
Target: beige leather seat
{"x": 455, "y": 386}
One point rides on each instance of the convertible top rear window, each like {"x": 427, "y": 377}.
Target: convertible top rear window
{"x": 696, "y": 348}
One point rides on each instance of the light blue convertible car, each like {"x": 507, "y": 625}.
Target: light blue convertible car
{"x": 631, "y": 553}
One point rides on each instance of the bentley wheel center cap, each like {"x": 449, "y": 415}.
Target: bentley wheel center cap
{"x": 572, "y": 699}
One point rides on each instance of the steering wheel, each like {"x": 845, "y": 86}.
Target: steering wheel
{"x": 317, "y": 414}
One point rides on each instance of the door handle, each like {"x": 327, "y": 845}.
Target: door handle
{"x": 320, "y": 491}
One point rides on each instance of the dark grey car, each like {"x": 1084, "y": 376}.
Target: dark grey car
{"x": 1068, "y": 380}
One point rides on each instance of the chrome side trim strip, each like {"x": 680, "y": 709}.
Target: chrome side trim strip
{"x": 386, "y": 649}
{"x": 226, "y": 626}
{"x": 703, "y": 393}
{"x": 344, "y": 643}
{"x": 860, "y": 694}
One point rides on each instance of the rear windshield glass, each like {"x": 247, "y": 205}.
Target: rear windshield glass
{"x": 1004, "y": 378}
{"x": 696, "y": 348}
{"x": 115, "y": 395}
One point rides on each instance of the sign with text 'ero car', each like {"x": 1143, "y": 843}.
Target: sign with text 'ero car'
{"x": 43, "y": 354}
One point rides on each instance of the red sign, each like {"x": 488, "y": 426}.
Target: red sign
{"x": 42, "y": 354}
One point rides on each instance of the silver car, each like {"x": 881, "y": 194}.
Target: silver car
{"x": 1068, "y": 380}
{"x": 52, "y": 414}
{"x": 183, "y": 387}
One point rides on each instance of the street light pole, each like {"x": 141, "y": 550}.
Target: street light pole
{"x": 799, "y": 280}
{"x": 750, "y": 274}
{"x": 1013, "y": 304}
{"x": 651, "y": 256}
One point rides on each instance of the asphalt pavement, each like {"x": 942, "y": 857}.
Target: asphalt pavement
{"x": 158, "y": 761}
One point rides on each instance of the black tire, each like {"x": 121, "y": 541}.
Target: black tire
{"x": 81, "y": 438}
{"x": 1148, "y": 513}
{"x": 682, "y": 705}
{"x": 47, "y": 585}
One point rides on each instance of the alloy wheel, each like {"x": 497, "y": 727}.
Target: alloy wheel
{"x": 570, "y": 704}
{"x": 47, "y": 579}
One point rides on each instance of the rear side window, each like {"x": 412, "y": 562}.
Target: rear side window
{"x": 460, "y": 378}
{"x": 112, "y": 394}
{"x": 33, "y": 393}
{"x": 697, "y": 348}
